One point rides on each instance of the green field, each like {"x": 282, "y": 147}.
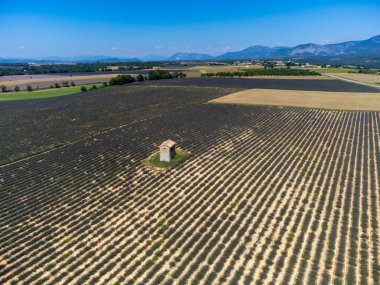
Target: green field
{"x": 335, "y": 70}
{"x": 44, "y": 93}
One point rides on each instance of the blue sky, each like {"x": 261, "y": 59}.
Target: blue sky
{"x": 138, "y": 28}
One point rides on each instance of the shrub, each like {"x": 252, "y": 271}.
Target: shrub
{"x": 93, "y": 87}
{"x": 29, "y": 88}
{"x": 83, "y": 88}
{"x": 56, "y": 85}
{"x": 122, "y": 79}
{"x": 72, "y": 83}
{"x": 17, "y": 88}
{"x": 3, "y": 88}
{"x": 140, "y": 77}
{"x": 180, "y": 75}
{"x": 65, "y": 84}
{"x": 159, "y": 74}
{"x": 105, "y": 84}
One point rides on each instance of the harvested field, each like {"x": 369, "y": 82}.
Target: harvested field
{"x": 268, "y": 195}
{"x": 308, "y": 99}
{"x": 361, "y": 77}
{"x": 45, "y": 82}
{"x": 6, "y": 78}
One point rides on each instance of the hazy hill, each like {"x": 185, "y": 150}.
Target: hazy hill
{"x": 189, "y": 56}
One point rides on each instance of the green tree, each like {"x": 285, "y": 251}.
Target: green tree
{"x": 140, "y": 77}
{"x": 269, "y": 65}
{"x": 159, "y": 74}
{"x": 180, "y": 75}
{"x": 122, "y": 79}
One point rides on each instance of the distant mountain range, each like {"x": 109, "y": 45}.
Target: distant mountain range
{"x": 365, "y": 48}
{"x": 50, "y": 59}
{"x": 364, "y": 52}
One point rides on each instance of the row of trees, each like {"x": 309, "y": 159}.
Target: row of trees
{"x": 264, "y": 72}
{"x": 4, "y": 88}
{"x": 21, "y": 69}
{"x": 153, "y": 75}
{"x": 17, "y": 88}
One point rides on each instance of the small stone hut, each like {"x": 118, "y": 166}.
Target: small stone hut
{"x": 167, "y": 150}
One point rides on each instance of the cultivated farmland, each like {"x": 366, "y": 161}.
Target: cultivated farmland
{"x": 44, "y": 93}
{"x": 267, "y": 195}
{"x": 44, "y": 81}
{"x": 41, "y": 81}
{"x": 308, "y": 99}
{"x": 361, "y": 77}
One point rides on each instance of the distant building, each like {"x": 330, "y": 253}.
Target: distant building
{"x": 167, "y": 150}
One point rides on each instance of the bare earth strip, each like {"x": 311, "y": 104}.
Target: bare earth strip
{"x": 308, "y": 99}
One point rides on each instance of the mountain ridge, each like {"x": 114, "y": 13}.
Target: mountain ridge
{"x": 365, "y": 48}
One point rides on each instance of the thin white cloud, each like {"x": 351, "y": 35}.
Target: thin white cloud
{"x": 224, "y": 48}
{"x": 218, "y": 50}
{"x": 323, "y": 42}
{"x": 118, "y": 48}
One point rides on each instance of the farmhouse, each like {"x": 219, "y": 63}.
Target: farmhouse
{"x": 167, "y": 150}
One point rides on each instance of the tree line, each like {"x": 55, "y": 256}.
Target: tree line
{"x": 153, "y": 75}
{"x": 23, "y": 69}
